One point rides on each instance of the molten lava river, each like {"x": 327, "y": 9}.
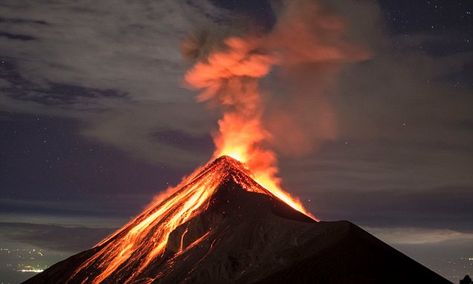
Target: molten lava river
{"x": 131, "y": 244}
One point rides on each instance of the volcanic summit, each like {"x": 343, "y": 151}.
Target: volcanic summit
{"x": 220, "y": 226}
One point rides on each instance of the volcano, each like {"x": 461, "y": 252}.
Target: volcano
{"x": 220, "y": 226}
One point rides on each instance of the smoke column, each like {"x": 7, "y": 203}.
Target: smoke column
{"x": 307, "y": 41}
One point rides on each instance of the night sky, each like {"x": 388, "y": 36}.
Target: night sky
{"x": 95, "y": 120}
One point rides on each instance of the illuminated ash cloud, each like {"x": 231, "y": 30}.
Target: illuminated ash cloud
{"x": 307, "y": 39}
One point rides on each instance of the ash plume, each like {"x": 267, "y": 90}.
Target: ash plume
{"x": 301, "y": 54}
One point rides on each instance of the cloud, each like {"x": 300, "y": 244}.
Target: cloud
{"x": 53, "y": 237}
{"x": 419, "y": 236}
{"x": 403, "y": 117}
{"x": 110, "y": 65}
{"x": 113, "y": 65}
{"x": 141, "y": 129}
{"x": 435, "y": 207}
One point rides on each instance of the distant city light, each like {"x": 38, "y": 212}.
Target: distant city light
{"x": 34, "y": 270}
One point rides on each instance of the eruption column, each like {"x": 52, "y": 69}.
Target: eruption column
{"x": 230, "y": 79}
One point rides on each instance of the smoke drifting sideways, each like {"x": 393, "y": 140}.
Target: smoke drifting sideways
{"x": 303, "y": 53}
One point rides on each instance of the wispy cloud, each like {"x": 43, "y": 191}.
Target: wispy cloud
{"x": 418, "y": 236}
{"x": 404, "y": 125}
{"x": 115, "y": 66}
{"x": 53, "y": 237}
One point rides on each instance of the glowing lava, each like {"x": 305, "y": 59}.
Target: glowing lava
{"x": 142, "y": 241}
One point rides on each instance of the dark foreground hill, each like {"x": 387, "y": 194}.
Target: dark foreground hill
{"x": 240, "y": 234}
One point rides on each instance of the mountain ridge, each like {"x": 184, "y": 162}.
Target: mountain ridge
{"x": 243, "y": 234}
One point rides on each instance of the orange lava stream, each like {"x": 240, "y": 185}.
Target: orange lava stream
{"x": 240, "y": 139}
{"x": 144, "y": 239}
{"x": 260, "y": 163}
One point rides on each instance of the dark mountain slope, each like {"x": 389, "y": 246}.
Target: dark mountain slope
{"x": 243, "y": 234}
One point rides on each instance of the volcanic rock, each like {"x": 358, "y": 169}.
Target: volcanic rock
{"x": 243, "y": 234}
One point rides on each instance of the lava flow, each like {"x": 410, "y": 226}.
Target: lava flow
{"x": 132, "y": 249}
